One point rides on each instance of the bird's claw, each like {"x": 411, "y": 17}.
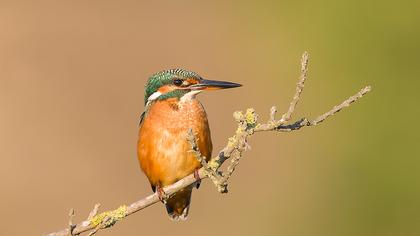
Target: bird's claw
{"x": 163, "y": 197}
{"x": 197, "y": 179}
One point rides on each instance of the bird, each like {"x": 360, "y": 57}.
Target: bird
{"x": 163, "y": 151}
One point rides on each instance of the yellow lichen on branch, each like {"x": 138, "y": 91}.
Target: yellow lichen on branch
{"x": 109, "y": 218}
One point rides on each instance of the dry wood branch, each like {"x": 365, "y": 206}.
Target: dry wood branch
{"x": 299, "y": 88}
{"x": 71, "y": 225}
{"x": 209, "y": 172}
{"x": 237, "y": 144}
{"x": 305, "y": 122}
{"x": 94, "y": 211}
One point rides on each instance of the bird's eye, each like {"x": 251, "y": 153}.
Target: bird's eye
{"x": 177, "y": 82}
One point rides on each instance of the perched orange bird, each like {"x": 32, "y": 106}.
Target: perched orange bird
{"x": 171, "y": 109}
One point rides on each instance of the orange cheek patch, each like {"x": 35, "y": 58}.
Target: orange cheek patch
{"x": 191, "y": 81}
{"x": 166, "y": 89}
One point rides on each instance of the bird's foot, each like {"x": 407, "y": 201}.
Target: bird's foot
{"x": 197, "y": 179}
{"x": 163, "y": 197}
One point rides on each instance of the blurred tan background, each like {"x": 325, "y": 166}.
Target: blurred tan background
{"x": 72, "y": 76}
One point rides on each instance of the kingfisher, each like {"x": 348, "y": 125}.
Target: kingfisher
{"x": 163, "y": 151}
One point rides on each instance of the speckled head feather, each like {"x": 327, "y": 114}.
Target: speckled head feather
{"x": 164, "y": 78}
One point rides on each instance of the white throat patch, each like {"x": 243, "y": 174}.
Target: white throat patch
{"x": 190, "y": 95}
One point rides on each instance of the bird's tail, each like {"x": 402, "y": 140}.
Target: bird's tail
{"x": 178, "y": 205}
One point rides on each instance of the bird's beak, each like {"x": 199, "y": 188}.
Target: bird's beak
{"x": 214, "y": 85}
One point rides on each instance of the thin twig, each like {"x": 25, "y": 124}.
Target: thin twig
{"x": 273, "y": 112}
{"x": 209, "y": 172}
{"x": 305, "y": 122}
{"x": 95, "y": 230}
{"x": 102, "y": 225}
{"x": 94, "y": 211}
{"x": 194, "y": 148}
{"x": 71, "y": 225}
{"x": 344, "y": 104}
{"x": 299, "y": 88}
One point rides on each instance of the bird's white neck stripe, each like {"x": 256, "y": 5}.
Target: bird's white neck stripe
{"x": 154, "y": 96}
{"x": 185, "y": 98}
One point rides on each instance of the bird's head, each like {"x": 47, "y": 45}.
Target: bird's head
{"x": 179, "y": 83}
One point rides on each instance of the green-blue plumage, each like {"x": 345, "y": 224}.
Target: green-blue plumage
{"x": 166, "y": 77}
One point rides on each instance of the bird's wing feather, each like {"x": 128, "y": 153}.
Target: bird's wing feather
{"x": 142, "y": 117}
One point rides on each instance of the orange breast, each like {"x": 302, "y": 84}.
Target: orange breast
{"x": 163, "y": 150}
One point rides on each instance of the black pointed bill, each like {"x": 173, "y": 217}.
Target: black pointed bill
{"x": 214, "y": 85}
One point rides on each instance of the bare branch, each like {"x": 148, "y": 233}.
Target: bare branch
{"x": 94, "y": 211}
{"x": 209, "y": 172}
{"x": 299, "y": 88}
{"x": 71, "y": 225}
{"x": 96, "y": 229}
{"x": 237, "y": 144}
{"x": 246, "y": 125}
{"x": 273, "y": 112}
{"x": 305, "y": 122}
{"x": 344, "y": 104}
